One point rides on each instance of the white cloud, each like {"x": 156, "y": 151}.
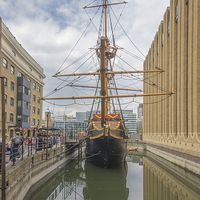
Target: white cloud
{"x": 48, "y": 30}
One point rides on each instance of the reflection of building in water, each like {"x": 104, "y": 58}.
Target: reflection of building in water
{"x": 163, "y": 180}
{"x": 134, "y": 159}
{"x": 62, "y": 185}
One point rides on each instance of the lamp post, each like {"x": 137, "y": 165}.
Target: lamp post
{"x": 47, "y": 136}
{"x": 64, "y": 125}
{"x": 3, "y": 148}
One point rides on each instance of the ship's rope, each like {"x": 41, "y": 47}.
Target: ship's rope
{"x": 77, "y": 41}
{"x": 127, "y": 34}
{"x": 92, "y": 155}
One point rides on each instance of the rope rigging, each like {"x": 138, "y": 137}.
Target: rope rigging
{"x": 94, "y": 64}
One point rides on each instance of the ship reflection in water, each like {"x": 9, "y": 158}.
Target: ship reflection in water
{"x": 104, "y": 183}
{"x": 140, "y": 178}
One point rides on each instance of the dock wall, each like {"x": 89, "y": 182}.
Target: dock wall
{"x": 25, "y": 174}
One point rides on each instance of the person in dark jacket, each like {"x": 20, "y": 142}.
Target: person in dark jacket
{"x": 16, "y": 143}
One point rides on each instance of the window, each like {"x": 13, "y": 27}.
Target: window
{"x": 33, "y": 122}
{"x": 157, "y": 50}
{"x": 38, "y": 122}
{"x": 33, "y": 109}
{"x": 34, "y": 97}
{"x": 26, "y": 105}
{"x": 38, "y": 99}
{"x": 11, "y": 101}
{"x": 12, "y": 86}
{"x": 153, "y": 52}
{"x": 12, "y": 70}
{"x": 26, "y": 119}
{"x": 38, "y": 111}
{"x": 11, "y": 133}
{"x": 19, "y": 74}
{"x": 38, "y": 88}
{"x": 14, "y": 54}
{"x": 176, "y": 11}
{"x": 29, "y": 80}
{"x": 5, "y": 82}
{"x": 34, "y": 86}
{"x": 168, "y": 24}
{"x": 20, "y": 88}
{"x": 19, "y": 103}
{"x": 26, "y": 91}
{"x": 19, "y": 118}
{"x": 30, "y": 69}
{"x": 5, "y": 63}
{"x": 162, "y": 39}
{"x": 5, "y": 97}
{"x": 11, "y": 117}
{"x": 23, "y": 104}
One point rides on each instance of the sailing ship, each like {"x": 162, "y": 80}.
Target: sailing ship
{"x": 106, "y": 140}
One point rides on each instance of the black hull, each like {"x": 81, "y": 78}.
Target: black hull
{"x": 106, "y": 151}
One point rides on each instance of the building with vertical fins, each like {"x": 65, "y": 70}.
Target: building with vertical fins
{"x": 23, "y": 86}
{"x": 172, "y": 124}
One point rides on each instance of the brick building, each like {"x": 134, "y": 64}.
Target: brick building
{"x": 23, "y": 86}
{"x": 171, "y": 125}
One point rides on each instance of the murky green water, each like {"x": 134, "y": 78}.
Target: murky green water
{"x": 140, "y": 178}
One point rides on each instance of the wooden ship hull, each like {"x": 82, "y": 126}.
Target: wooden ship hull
{"x": 106, "y": 146}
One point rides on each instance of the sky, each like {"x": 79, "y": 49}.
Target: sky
{"x": 49, "y": 29}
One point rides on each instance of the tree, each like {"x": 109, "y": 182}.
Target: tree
{"x": 127, "y": 129}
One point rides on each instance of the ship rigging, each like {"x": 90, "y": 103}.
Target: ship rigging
{"x": 107, "y": 136}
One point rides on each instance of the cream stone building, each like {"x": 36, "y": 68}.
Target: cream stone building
{"x": 172, "y": 123}
{"x": 23, "y": 86}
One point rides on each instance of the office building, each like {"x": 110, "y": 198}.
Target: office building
{"x": 140, "y": 110}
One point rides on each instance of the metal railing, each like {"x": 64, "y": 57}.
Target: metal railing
{"x": 16, "y": 153}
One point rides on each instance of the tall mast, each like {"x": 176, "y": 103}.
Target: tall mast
{"x": 103, "y": 69}
{"x": 105, "y": 10}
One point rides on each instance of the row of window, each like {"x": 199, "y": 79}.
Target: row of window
{"x": 12, "y": 69}
{"x": 12, "y": 84}
{"x": 34, "y": 99}
{"x": 24, "y": 90}
{"x": 38, "y": 87}
{"x": 25, "y": 104}
{"x": 23, "y": 119}
{"x": 19, "y": 74}
{"x": 34, "y": 84}
{"x": 11, "y": 100}
{"x": 26, "y": 119}
{"x": 21, "y": 103}
{"x": 168, "y": 27}
{"x": 34, "y": 110}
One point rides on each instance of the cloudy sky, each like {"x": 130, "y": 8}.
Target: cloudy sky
{"x": 49, "y": 29}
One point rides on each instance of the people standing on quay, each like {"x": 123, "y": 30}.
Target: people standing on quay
{"x": 16, "y": 143}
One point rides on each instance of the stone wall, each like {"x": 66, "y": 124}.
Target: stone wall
{"x": 26, "y": 173}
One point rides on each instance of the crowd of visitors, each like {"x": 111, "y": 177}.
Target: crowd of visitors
{"x": 19, "y": 145}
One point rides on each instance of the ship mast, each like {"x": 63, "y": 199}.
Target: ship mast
{"x": 105, "y": 55}
{"x": 103, "y": 70}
